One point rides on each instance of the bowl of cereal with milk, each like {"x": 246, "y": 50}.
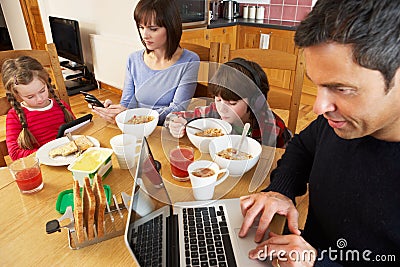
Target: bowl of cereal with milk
{"x": 138, "y": 121}
{"x": 210, "y": 129}
{"x": 223, "y": 152}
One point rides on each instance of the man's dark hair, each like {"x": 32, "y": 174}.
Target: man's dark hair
{"x": 372, "y": 27}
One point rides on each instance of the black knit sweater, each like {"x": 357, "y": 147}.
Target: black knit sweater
{"x": 354, "y": 188}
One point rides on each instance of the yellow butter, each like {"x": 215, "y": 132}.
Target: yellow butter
{"x": 90, "y": 160}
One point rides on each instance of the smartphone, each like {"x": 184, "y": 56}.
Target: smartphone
{"x": 92, "y": 100}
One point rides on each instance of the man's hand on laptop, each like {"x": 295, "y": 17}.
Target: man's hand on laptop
{"x": 285, "y": 250}
{"x": 267, "y": 204}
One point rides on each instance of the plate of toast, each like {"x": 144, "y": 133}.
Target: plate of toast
{"x": 62, "y": 151}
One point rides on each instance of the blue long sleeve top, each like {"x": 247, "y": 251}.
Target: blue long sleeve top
{"x": 165, "y": 90}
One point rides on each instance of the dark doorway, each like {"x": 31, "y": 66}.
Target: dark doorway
{"x": 5, "y": 41}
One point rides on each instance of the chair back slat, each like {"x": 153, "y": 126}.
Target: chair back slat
{"x": 49, "y": 59}
{"x": 208, "y": 56}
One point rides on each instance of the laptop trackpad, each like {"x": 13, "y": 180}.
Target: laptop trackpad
{"x": 245, "y": 245}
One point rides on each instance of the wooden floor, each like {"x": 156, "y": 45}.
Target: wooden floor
{"x": 80, "y": 107}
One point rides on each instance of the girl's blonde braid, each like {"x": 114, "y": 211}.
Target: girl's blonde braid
{"x": 25, "y": 140}
{"x": 67, "y": 114}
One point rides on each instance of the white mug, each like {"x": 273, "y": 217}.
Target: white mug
{"x": 124, "y": 147}
{"x": 203, "y": 176}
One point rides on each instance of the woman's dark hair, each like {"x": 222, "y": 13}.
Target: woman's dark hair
{"x": 372, "y": 27}
{"x": 164, "y": 13}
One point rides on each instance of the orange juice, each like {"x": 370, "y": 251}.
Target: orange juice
{"x": 180, "y": 158}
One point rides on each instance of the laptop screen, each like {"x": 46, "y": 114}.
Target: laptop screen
{"x": 148, "y": 197}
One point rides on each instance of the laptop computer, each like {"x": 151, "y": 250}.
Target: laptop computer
{"x": 196, "y": 233}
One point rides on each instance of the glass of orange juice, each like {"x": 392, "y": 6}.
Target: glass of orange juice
{"x": 27, "y": 174}
{"x": 180, "y": 158}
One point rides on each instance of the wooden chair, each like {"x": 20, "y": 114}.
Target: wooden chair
{"x": 278, "y": 97}
{"x": 4, "y": 107}
{"x": 206, "y": 54}
{"x": 49, "y": 59}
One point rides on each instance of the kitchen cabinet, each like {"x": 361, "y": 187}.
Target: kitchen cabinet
{"x": 196, "y": 36}
{"x": 249, "y": 37}
{"x": 243, "y": 36}
{"x": 205, "y": 36}
{"x": 283, "y": 40}
{"x": 223, "y": 35}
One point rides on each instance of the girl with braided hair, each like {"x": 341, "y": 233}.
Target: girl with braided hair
{"x": 34, "y": 118}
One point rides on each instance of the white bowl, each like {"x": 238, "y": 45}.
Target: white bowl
{"x": 206, "y": 123}
{"x": 138, "y": 130}
{"x": 235, "y": 167}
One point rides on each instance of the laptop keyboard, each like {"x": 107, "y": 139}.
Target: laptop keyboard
{"x": 147, "y": 242}
{"x": 206, "y": 237}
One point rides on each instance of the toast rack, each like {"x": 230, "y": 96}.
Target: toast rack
{"x": 114, "y": 223}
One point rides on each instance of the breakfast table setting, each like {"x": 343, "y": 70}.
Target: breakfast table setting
{"x": 23, "y": 237}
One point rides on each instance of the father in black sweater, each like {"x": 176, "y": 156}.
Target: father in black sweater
{"x": 350, "y": 155}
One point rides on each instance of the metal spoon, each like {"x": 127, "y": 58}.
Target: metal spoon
{"x": 193, "y": 127}
{"x": 244, "y": 133}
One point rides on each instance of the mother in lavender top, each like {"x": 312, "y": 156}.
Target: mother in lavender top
{"x": 163, "y": 76}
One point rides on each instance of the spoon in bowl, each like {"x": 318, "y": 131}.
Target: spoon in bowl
{"x": 244, "y": 133}
{"x": 204, "y": 134}
{"x": 193, "y": 127}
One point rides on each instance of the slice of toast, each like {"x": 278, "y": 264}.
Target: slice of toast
{"x": 78, "y": 212}
{"x": 83, "y": 142}
{"x": 63, "y": 150}
{"x": 89, "y": 208}
{"x": 101, "y": 200}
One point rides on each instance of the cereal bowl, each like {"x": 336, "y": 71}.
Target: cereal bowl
{"x": 236, "y": 167}
{"x": 202, "y": 142}
{"x": 138, "y": 121}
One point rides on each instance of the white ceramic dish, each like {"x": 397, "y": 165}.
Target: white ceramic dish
{"x": 206, "y": 123}
{"x": 235, "y": 167}
{"x": 43, "y": 152}
{"x": 138, "y": 130}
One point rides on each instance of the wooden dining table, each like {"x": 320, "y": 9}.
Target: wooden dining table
{"x": 23, "y": 217}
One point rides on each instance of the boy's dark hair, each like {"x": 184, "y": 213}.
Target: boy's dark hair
{"x": 256, "y": 70}
{"x": 165, "y": 14}
{"x": 238, "y": 79}
{"x": 372, "y": 27}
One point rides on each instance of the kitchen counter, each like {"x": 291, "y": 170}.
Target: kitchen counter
{"x": 266, "y": 23}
